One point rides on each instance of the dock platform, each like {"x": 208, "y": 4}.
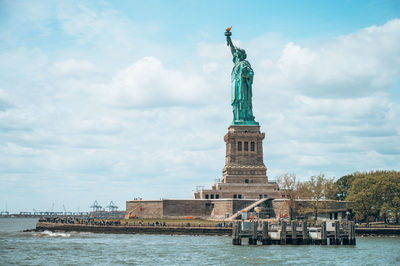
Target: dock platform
{"x": 293, "y": 233}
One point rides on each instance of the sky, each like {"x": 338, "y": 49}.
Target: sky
{"x": 112, "y": 100}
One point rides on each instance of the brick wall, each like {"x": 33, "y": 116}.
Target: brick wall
{"x": 221, "y": 207}
{"x": 182, "y": 208}
{"x": 145, "y": 208}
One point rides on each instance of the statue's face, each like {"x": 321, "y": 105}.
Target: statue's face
{"x": 239, "y": 55}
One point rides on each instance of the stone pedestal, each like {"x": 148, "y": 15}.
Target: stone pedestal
{"x": 244, "y": 175}
{"x": 244, "y": 156}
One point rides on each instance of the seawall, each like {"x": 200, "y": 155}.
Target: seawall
{"x": 177, "y": 230}
{"x": 123, "y": 229}
{"x": 378, "y": 231}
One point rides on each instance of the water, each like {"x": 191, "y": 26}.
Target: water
{"x": 49, "y": 248}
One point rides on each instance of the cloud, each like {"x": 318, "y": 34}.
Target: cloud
{"x": 353, "y": 65}
{"x": 73, "y": 67}
{"x": 147, "y": 83}
{"x": 295, "y": 60}
{"x": 5, "y": 102}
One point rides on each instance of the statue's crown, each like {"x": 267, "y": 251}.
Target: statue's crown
{"x": 241, "y": 52}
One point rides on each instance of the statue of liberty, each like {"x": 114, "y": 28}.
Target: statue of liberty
{"x": 241, "y": 85}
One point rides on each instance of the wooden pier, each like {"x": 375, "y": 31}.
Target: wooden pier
{"x": 294, "y": 233}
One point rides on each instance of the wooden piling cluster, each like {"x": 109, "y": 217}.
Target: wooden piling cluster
{"x": 293, "y": 233}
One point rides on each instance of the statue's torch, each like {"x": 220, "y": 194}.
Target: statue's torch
{"x": 228, "y": 31}
{"x": 228, "y": 34}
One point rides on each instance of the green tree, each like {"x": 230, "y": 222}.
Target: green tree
{"x": 343, "y": 185}
{"x": 317, "y": 189}
{"x": 388, "y": 191}
{"x": 375, "y": 194}
{"x": 363, "y": 195}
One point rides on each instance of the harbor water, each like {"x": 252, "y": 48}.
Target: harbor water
{"x": 54, "y": 248}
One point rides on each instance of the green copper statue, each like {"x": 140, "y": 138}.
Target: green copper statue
{"x": 241, "y": 83}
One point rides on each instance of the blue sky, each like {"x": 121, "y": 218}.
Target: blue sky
{"x": 104, "y": 100}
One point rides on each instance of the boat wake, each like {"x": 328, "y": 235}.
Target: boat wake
{"x": 47, "y": 233}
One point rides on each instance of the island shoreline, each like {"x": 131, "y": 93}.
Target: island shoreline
{"x": 176, "y": 230}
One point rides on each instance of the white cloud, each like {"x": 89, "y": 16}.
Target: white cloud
{"x": 146, "y": 83}
{"x": 295, "y": 60}
{"x": 354, "y": 65}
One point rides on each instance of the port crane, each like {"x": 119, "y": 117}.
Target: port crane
{"x": 112, "y": 207}
{"x": 96, "y": 206}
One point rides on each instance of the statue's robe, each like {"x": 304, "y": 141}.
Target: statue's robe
{"x": 241, "y": 91}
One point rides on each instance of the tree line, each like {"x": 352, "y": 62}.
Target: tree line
{"x": 373, "y": 195}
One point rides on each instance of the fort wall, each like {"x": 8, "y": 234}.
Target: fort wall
{"x": 182, "y": 208}
{"x": 169, "y": 208}
{"x": 144, "y": 208}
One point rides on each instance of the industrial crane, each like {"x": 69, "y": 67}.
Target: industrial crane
{"x": 96, "y": 206}
{"x": 112, "y": 207}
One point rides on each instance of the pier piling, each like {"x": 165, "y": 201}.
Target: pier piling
{"x": 337, "y": 233}
{"x": 323, "y": 234}
{"x": 305, "y": 233}
{"x": 236, "y": 239}
{"x": 254, "y": 233}
{"x": 283, "y": 233}
{"x": 349, "y": 239}
{"x": 294, "y": 233}
{"x": 265, "y": 240}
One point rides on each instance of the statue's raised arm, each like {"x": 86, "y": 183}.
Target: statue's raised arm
{"x": 228, "y": 40}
